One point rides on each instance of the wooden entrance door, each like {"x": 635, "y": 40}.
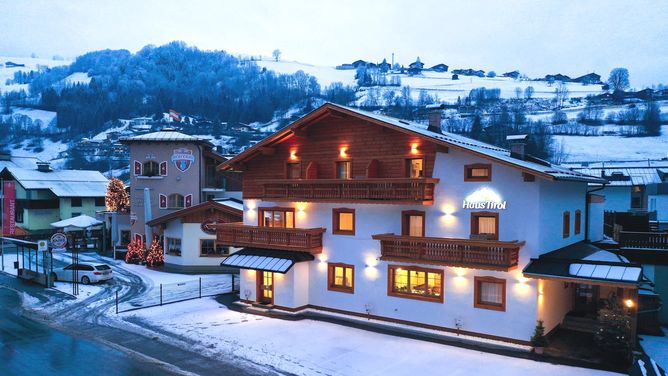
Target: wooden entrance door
{"x": 586, "y": 299}
{"x": 265, "y": 287}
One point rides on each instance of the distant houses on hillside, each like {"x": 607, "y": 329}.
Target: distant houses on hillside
{"x": 11, "y": 64}
{"x": 587, "y": 79}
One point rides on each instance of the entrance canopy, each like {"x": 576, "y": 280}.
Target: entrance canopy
{"x": 268, "y": 260}
{"x": 585, "y": 263}
{"x": 80, "y": 222}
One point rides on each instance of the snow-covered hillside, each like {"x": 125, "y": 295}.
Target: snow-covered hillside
{"x": 30, "y": 63}
{"x": 438, "y": 85}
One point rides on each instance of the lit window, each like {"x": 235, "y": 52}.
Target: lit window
{"x": 485, "y": 225}
{"x": 277, "y": 217}
{"x": 209, "y": 247}
{"x": 175, "y": 201}
{"x": 344, "y": 170}
{"x": 418, "y": 283}
{"x": 478, "y": 172}
{"x": 490, "y": 293}
{"x": 415, "y": 168}
{"x": 413, "y": 223}
{"x": 341, "y": 277}
{"x": 343, "y": 221}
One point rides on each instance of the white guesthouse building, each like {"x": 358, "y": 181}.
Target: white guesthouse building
{"x": 355, "y": 213}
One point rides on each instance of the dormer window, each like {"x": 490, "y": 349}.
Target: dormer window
{"x": 478, "y": 172}
{"x": 150, "y": 168}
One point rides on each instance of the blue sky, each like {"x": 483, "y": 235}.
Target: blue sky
{"x": 536, "y": 37}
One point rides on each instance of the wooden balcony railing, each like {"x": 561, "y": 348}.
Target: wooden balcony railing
{"x": 478, "y": 254}
{"x": 649, "y": 240}
{"x": 289, "y": 239}
{"x": 386, "y": 191}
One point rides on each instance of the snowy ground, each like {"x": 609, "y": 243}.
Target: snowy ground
{"x": 77, "y": 78}
{"x": 602, "y": 148}
{"x": 310, "y": 347}
{"x": 657, "y": 348}
{"x": 30, "y": 64}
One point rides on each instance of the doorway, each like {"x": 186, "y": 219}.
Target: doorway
{"x": 265, "y": 287}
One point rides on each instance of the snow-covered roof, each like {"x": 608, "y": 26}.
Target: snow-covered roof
{"x": 234, "y": 204}
{"x": 163, "y": 136}
{"x": 80, "y": 221}
{"x": 21, "y": 162}
{"x": 450, "y": 139}
{"x": 63, "y": 183}
{"x": 626, "y": 176}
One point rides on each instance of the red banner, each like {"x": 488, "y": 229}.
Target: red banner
{"x": 9, "y": 208}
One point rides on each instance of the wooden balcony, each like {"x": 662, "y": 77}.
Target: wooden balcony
{"x": 288, "y": 239}
{"x": 647, "y": 240}
{"x": 477, "y": 254}
{"x": 376, "y": 190}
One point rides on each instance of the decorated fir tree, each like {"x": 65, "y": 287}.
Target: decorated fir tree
{"x": 155, "y": 256}
{"x": 117, "y": 199}
{"x": 135, "y": 254}
{"x": 613, "y": 336}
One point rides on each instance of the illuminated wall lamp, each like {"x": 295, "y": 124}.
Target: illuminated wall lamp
{"x": 343, "y": 152}
{"x": 629, "y": 303}
{"x": 293, "y": 155}
{"x": 414, "y": 148}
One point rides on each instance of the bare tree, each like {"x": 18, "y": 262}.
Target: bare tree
{"x": 518, "y": 92}
{"x": 561, "y": 94}
{"x": 528, "y": 92}
{"x": 276, "y": 54}
{"x": 619, "y": 79}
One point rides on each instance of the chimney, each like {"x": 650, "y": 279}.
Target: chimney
{"x": 43, "y": 166}
{"x": 434, "y": 111}
{"x": 517, "y": 145}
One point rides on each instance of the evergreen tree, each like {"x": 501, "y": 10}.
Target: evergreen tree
{"x": 652, "y": 119}
{"x": 476, "y": 128}
{"x": 135, "y": 254}
{"x": 117, "y": 199}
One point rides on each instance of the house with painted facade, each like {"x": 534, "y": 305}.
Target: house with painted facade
{"x": 355, "y": 213}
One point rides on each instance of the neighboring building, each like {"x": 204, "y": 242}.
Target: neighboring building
{"x": 360, "y": 214}
{"x": 44, "y": 195}
{"x": 589, "y": 79}
{"x": 634, "y": 187}
{"x": 417, "y": 64}
{"x": 440, "y": 68}
{"x": 189, "y": 235}
{"x": 176, "y": 170}
{"x": 557, "y": 78}
{"x": 514, "y": 74}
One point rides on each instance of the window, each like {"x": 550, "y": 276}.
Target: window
{"x": 478, "y": 172}
{"x": 637, "y": 193}
{"x": 294, "y": 170}
{"x": 485, "y": 225}
{"x": 277, "y": 217}
{"x": 209, "y": 248}
{"x": 416, "y": 283}
{"x": 173, "y": 246}
{"x": 341, "y": 277}
{"x": 343, "y": 221}
{"x": 415, "y": 168}
{"x": 577, "y": 222}
{"x": 566, "y": 227}
{"x": 150, "y": 168}
{"x": 18, "y": 215}
{"x": 412, "y": 223}
{"x": 175, "y": 201}
{"x": 344, "y": 170}
{"x": 125, "y": 238}
{"x": 76, "y": 202}
{"x": 99, "y": 201}
{"x": 490, "y": 293}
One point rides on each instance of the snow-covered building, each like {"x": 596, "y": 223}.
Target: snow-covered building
{"x": 360, "y": 214}
{"x": 171, "y": 171}
{"x": 189, "y": 235}
{"x": 43, "y": 195}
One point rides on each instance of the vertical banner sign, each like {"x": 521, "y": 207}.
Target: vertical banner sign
{"x": 9, "y": 208}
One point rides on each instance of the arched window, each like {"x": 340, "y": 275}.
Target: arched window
{"x": 175, "y": 201}
{"x": 150, "y": 168}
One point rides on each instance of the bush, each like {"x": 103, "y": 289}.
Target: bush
{"x": 612, "y": 337}
{"x": 538, "y": 339}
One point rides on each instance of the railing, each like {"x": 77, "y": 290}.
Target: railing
{"x": 479, "y": 254}
{"x": 650, "y": 240}
{"x": 420, "y": 190}
{"x": 289, "y": 239}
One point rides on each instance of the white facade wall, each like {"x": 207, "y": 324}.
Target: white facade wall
{"x": 659, "y": 203}
{"x": 190, "y": 235}
{"x": 555, "y": 300}
{"x": 533, "y": 214}
{"x": 596, "y": 221}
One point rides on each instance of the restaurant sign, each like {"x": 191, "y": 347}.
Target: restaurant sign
{"x": 484, "y": 198}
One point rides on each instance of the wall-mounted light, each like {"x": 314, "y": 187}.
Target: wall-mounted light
{"x": 343, "y": 152}
{"x": 371, "y": 262}
{"x": 414, "y": 148}
{"x": 629, "y": 303}
{"x": 460, "y": 272}
{"x": 293, "y": 154}
{"x": 448, "y": 218}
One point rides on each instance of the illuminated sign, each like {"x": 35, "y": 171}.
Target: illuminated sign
{"x": 484, "y": 198}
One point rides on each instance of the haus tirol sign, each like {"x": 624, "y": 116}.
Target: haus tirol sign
{"x": 484, "y": 198}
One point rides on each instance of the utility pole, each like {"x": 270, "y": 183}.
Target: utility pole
{"x": 2, "y": 223}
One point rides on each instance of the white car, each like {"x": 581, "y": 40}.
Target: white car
{"x": 87, "y": 273}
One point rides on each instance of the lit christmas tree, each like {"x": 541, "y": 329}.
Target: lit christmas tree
{"x": 155, "y": 255}
{"x": 117, "y": 199}
{"x": 135, "y": 253}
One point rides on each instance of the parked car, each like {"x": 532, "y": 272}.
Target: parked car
{"x": 88, "y": 273}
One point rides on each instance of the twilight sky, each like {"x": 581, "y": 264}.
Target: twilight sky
{"x": 536, "y": 37}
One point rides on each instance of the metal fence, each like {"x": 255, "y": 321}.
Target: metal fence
{"x": 166, "y": 293}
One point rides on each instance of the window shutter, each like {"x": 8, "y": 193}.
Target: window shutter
{"x": 163, "y": 168}
{"x": 189, "y": 201}
{"x": 163, "y": 201}
{"x": 137, "y": 168}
